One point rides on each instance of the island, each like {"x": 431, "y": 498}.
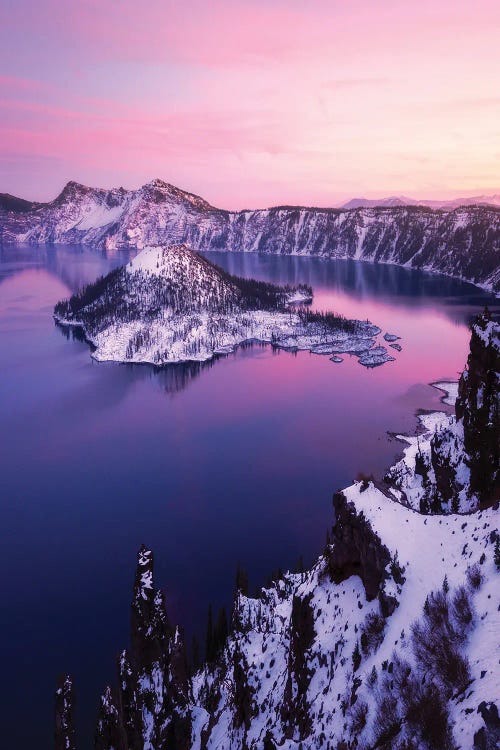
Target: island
{"x": 170, "y": 305}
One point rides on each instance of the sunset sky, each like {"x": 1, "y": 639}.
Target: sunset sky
{"x": 252, "y": 102}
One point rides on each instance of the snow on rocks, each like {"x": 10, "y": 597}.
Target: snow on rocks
{"x": 341, "y": 650}
{"x": 414, "y": 476}
{"x": 375, "y": 357}
{"x": 450, "y": 390}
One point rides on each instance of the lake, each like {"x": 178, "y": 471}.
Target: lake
{"x": 211, "y": 466}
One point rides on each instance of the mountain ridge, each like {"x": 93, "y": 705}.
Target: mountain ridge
{"x": 462, "y": 242}
{"x": 351, "y": 204}
{"x": 404, "y": 200}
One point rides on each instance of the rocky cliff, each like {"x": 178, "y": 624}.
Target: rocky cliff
{"x": 462, "y": 242}
{"x": 478, "y": 408}
{"x": 454, "y": 464}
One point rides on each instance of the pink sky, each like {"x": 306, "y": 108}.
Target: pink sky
{"x": 252, "y": 102}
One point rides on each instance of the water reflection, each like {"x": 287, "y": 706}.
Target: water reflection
{"x": 362, "y": 281}
{"x": 74, "y": 265}
{"x": 77, "y": 265}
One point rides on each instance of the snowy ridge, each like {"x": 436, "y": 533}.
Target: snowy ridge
{"x": 171, "y": 305}
{"x": 339, "y": 614}
{"x": 414, "y": 478}
{"x": 389, "y": 641}
{"x": 461, "y": 241}
{"x": 403, "y": 200}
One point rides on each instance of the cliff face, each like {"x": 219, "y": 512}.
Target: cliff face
{"x": 465, "y": 454}
{"x": 462, "y": 242}
{"x": 478, "y": 408}
{"x": 356, "y": 550}
{"x": 454, "y": 465}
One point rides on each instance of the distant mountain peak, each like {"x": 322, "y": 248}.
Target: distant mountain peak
{"x": 157, "y": 182}
{"x": 73, "y": 190}
{"x": 404, "y": 200}
{"x": 172, "y": 192}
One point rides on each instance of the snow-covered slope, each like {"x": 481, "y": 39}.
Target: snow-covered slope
{"x": 170, "y": 304}
{"x": 462, "y": 242}
{"x": 389, "y": 641}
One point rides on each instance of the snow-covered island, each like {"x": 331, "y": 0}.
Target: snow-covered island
{"x": 170, "y": 304}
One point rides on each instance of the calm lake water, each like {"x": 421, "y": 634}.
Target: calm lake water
{"x": 211, "y": 466}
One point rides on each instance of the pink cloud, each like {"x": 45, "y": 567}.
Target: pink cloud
{"x": 253, "y": 103}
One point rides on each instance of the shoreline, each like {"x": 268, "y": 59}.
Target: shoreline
{"x": 357, "y": 344}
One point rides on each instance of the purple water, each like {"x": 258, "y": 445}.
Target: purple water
{"x": 211, "y": 466}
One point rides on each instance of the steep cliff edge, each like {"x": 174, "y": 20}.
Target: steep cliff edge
{"x": 453, "y": 465}
{"x": 478, "y": 408}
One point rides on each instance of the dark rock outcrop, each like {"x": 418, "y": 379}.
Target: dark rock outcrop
{"x": 356, "y": 549}
{"x": 295, "y": 711}
{"x": 446, "y": 489}
{"x": 149, "y": 626}
{"x": 488, "y": 736}
{"x": 460, "y": 466}
{"x": 110, "y": 732}
{"x": 478, "y": 406}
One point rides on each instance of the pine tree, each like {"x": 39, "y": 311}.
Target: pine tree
{"x": 356, "y": 657}
{"x": 221, "y": 631}
{"x": 497, "y": 552}
{"x": 195, "y": 655}
{"x": 241, "y": 583}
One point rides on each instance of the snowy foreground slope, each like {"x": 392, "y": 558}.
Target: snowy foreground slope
{"x": 462, "y": 242}
{"x": 390, "y": 640}
{"x": 170, "y": 304}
